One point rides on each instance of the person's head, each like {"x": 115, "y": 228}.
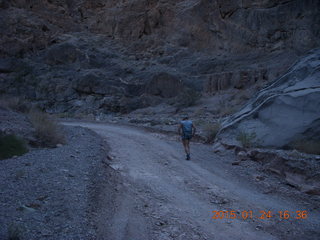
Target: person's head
{"x": 185, "y": 118}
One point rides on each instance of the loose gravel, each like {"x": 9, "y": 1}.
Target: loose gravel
{"x": 50, "y": 193}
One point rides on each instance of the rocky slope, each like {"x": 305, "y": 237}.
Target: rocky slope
{"x": 117, "y": 56}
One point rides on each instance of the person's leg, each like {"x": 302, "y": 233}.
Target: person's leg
{"x": 184, "y": 142}
{"x": 188, "y": 146}
{"x": 188, "y": 149}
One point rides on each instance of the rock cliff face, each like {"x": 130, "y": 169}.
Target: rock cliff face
{"x": 104, "y": 55}
{"x": 285, "y": 112}
{"x": 236, "y": 26}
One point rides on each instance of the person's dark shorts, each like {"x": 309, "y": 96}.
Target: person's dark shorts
{"x": 186, "y": 136}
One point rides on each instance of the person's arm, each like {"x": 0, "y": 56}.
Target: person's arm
{"x": 179, "y": 129}
{"x": 193, "y": 129}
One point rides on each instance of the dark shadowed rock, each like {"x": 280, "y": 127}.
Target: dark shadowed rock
{"x": 63, "y": 53}
{"x": 94, "y": 82}
{"x": 6, "y": 65}
{"x": 164, "y": 85}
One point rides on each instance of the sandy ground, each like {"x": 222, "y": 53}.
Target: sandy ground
{"x": 163, "y": 196}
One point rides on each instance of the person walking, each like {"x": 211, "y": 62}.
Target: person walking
{"x": 186, "y": 130}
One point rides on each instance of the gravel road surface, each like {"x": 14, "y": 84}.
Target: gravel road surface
{"x": 163, "y": 196}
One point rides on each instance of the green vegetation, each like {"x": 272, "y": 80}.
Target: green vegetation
{"x": 247, "y": 139}
{"x": 307, "y": 146}
{"x": 11, "y": 145}
{"x": 47, "y": 129}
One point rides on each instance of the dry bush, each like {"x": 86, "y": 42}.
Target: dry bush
{"x": 211, "y": 130}
{"x": 47, "y": 128}
{"x": 307, "y": 146}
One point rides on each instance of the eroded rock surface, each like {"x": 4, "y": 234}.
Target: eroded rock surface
{"x": 284, "y": 112}
{"x": 51, "y": 50}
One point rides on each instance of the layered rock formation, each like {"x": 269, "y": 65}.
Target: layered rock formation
{"x": 285, "y": 112}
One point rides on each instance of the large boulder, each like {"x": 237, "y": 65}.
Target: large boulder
{"x": 286, "y": 111}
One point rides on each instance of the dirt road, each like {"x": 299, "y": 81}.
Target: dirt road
{"x": 163, "y": 196}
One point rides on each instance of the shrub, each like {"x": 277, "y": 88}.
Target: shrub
{"x": 211, "y": 131}
{"x": 246, "y": 139}
{"x": 307, "y": 146}
{"x": 47, "y": 129}
{"x": 11, "y": 145}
